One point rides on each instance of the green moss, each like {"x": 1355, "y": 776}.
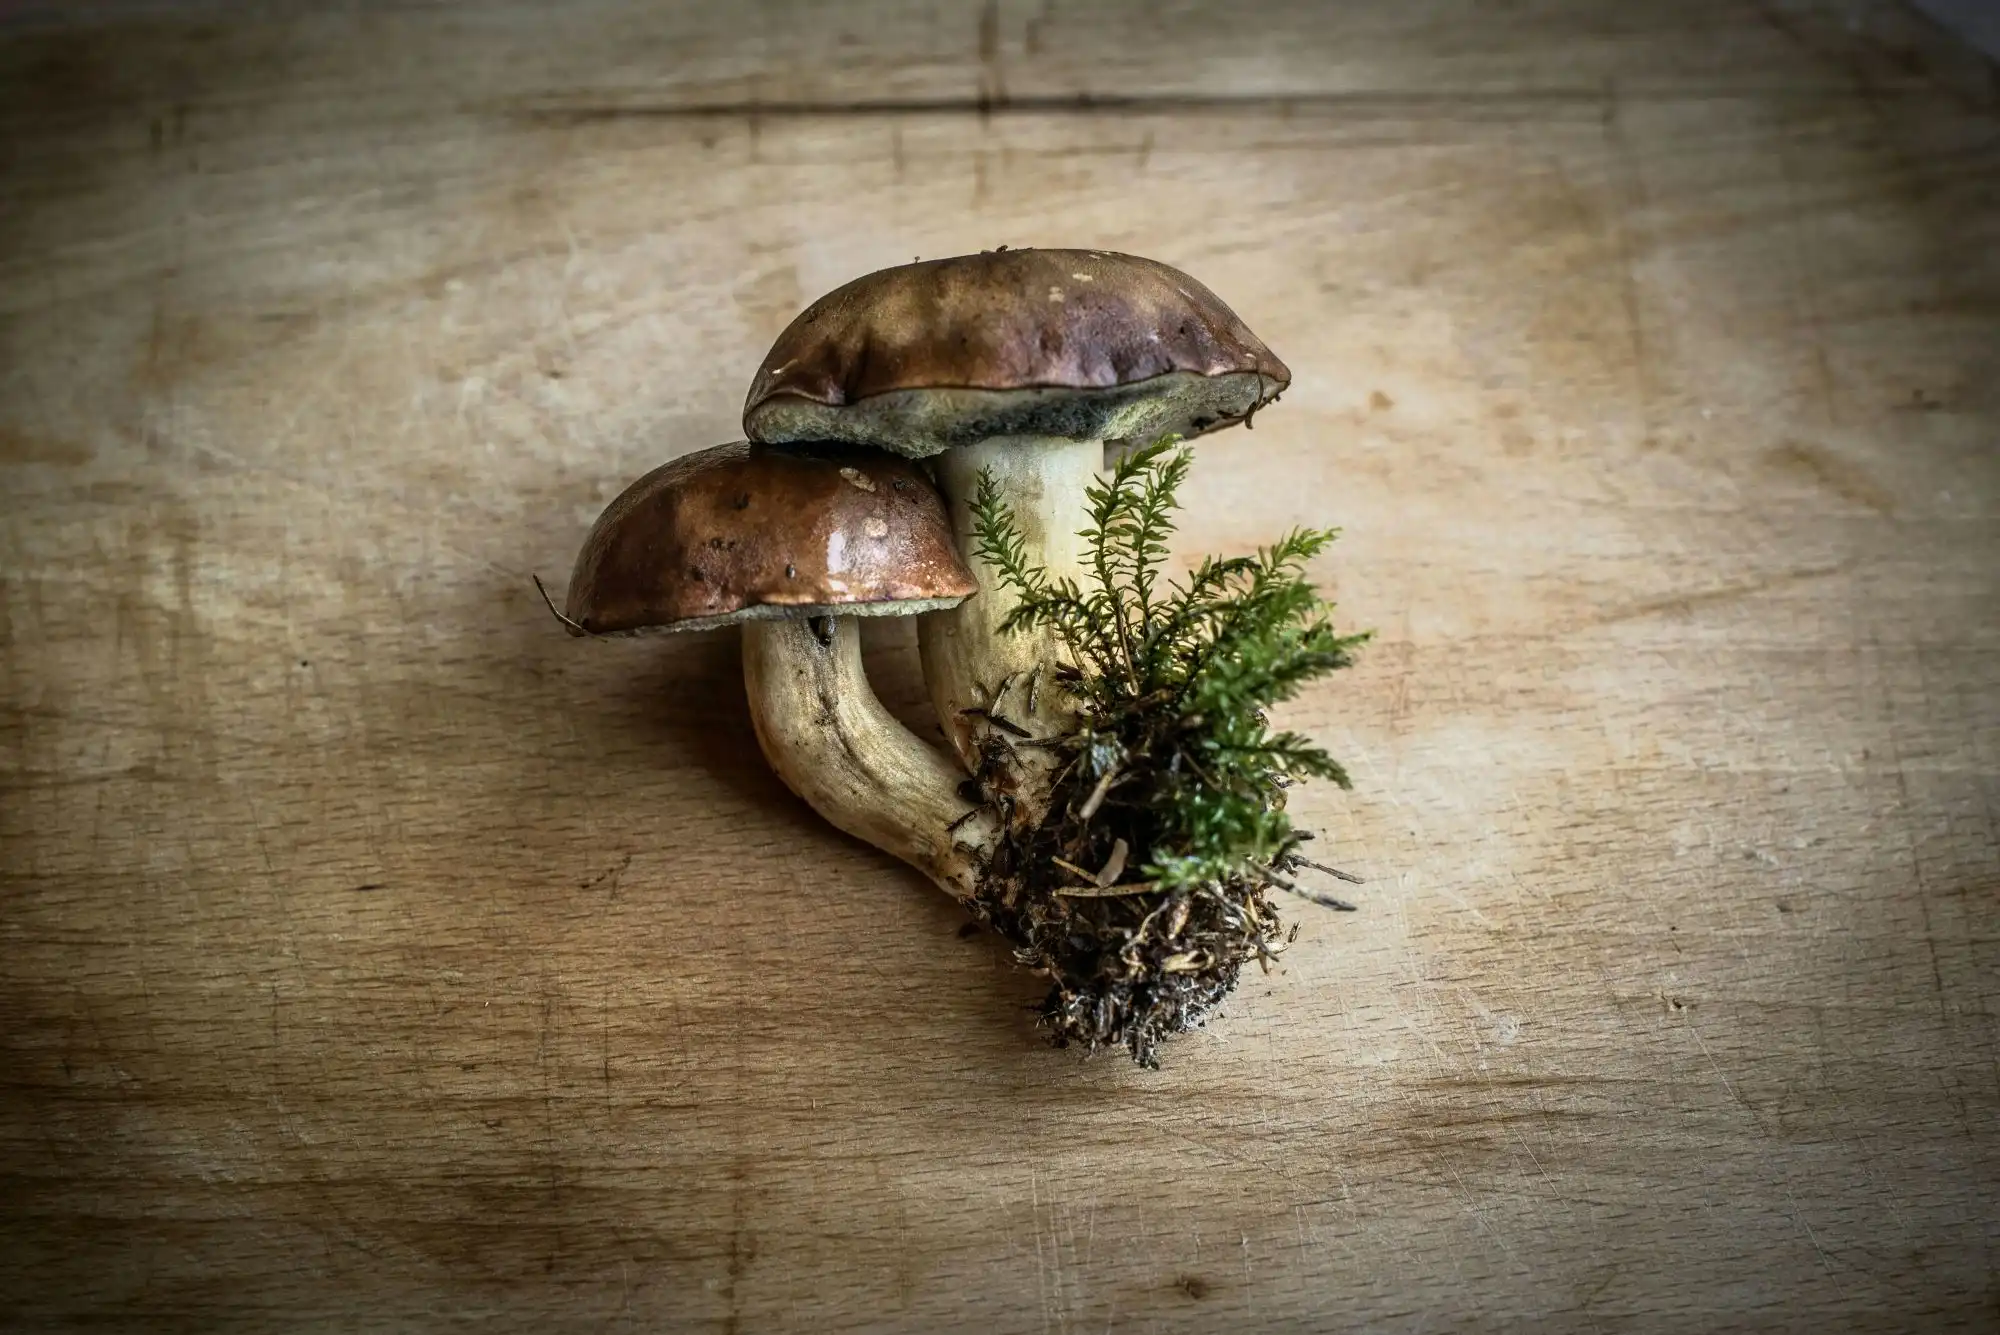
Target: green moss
{"x": 1172, "y": 787}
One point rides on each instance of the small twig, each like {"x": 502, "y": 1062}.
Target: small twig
{"x": 954, "y": 826}
{"x": 1286, "y": 883}
{"x": 1106, "y": 891}
{"x": 1096, "y": 798}
{"x": 575, "y": 627}
{"x": 1334, "y": 872}
{"x": 1199, "y": 772}
{"x": 999, "y": 721}
{"x": 1075, "y": 870}
{"x": 1000, "y": 691}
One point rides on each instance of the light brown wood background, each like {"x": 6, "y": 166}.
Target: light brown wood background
{"x": 374, "y": 955}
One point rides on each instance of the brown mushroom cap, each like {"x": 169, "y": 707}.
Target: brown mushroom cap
{"x": 744, "y": 531}
{"x": 1086, "y": 344}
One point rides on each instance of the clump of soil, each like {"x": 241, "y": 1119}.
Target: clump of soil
{"x": 1129, "y": 964}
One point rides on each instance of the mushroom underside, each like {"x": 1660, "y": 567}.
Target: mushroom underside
{"x": 777, "y": 612}
{"x": 922, "y": 422}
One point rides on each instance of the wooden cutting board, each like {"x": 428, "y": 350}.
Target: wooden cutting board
{"x": 374, "y": 955}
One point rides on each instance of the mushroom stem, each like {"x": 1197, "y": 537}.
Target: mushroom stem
{"x": 832, "y": 742}
{"x": 967, "y": 657}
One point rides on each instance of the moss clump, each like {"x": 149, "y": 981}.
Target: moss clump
{"x": 1145, "y": 889}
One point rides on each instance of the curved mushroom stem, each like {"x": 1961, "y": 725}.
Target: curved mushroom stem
{"x": 833, "y": 744}
{"x": 969, "y": 663}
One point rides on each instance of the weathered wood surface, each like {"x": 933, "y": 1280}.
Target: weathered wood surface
{"x": 370, "y": 952}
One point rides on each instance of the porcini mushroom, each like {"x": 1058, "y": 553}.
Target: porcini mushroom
{"x": 1021, "y": 365}
{"x": 793, "y": 545}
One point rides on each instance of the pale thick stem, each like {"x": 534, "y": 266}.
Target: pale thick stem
{"x": 967, "y": 659}
{"x": 833, "y": 744}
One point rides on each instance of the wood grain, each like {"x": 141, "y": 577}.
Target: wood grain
{"x": 374, "y": 955}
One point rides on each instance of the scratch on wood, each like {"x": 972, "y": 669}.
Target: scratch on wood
{"x": 1696, "y": 599}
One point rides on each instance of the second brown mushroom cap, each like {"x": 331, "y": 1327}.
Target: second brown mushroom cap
{"x": 741, "y": 532}
{"x": 792, "y": 545}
